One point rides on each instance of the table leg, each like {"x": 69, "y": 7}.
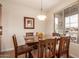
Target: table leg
{"x": 30, "y": 55}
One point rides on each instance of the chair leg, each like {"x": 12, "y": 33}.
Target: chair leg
{"x": 26, "y": 54}
{"x": 58, "y": 55}
{"x": 67, "y": 54}
{"x": 53, "y": 57}
{"x": 16, "y": 56}
{"x": 30, "y": 55}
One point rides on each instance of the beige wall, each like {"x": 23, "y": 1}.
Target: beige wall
{"x": 0, "y": 14}
{"x": 49, "y": 24}
{"x": 13, "y": 22}
{"x": 0, "y": 25}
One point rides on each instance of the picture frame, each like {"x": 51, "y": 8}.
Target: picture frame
{"x": 29, "y": 23}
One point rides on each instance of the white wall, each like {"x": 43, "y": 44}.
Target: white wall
{"x": 13, "y": 22}
{"x": 0, "y": 15}
{"x": 49, "y": 24}
{"x": 74, "y": 48}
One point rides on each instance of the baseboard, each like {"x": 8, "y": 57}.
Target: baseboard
{"x": 10, "y": 49}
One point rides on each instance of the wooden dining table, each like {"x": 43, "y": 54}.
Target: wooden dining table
{"x": 31, "y": 40}
{"x": 34, "y": 40}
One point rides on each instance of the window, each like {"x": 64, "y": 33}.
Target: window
{"x": 66, "y": 22}
{"x": 71, "y": 27}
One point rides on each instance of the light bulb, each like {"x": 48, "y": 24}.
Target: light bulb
{"x": 41, "y": 17}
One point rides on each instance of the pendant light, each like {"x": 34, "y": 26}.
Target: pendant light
{"x": 41, "y": 17}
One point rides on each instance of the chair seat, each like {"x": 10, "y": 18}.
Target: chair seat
{"x": 23, "y": 48}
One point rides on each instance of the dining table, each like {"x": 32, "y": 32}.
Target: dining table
{"x": 34, "y": 40}
{"x": 31, "y": 40}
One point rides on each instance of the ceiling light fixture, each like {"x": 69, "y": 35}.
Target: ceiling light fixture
{"x": 41, "y": 16}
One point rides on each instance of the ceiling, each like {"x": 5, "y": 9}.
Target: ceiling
{"x": 36, "y": 4}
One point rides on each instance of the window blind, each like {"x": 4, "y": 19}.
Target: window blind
{"x": 71, "y": 10}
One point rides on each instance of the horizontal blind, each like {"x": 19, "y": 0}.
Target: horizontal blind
{"x": 71, "y": 10}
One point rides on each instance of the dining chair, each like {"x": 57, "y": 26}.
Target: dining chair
{"x": 47, "y": 48}
{"x": 41, "y": 47}
{"x": 55, "y": 34}
{"x": 29, "y": 34}
{"x": 63, "y": 47}
{"x": 22, "y": 49}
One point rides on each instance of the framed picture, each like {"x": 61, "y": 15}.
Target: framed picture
{"x": 29, "y": 23}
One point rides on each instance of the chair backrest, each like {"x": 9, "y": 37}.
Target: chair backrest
{"x": 41, "y": 47}
{"x": 47, "y": 48}
{"x": 64, "y": 45}
{"x": 55, "y": 34}
{"x": 15, "y": 41}
{"x": 29, "y": 34}
{"x": 51, "y": 47}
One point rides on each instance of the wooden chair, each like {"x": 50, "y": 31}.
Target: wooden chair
{"x": 20, "y": 49}
{"x": 41, "y": 47}
{"x": 55, "y": 34}
{"x": 29, "y": 34}
{"x": 63, "y": 47}
{"x": 47, "y": 48}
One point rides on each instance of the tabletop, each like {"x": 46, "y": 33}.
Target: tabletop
{"x": 35, "y": 39}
